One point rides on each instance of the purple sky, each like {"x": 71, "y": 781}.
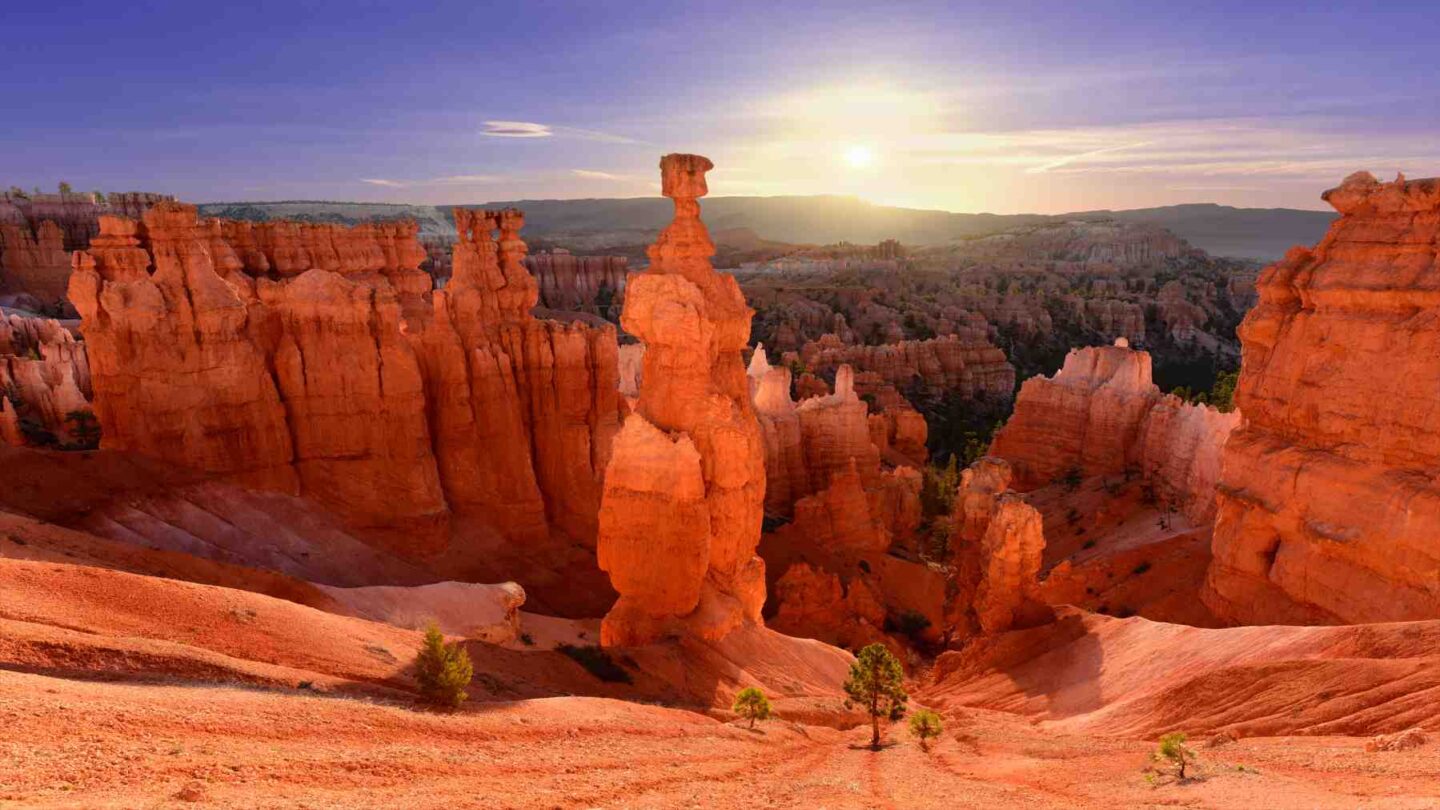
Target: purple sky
{"x": 1002, "y": 107}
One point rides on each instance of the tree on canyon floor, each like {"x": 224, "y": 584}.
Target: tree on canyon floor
{"x": 442, "y": 670}
{"x": 876, "y": 684}
{"x": 925, "y": 724}
{"x": 752, "y": 705}
{"x": 1174, "y": 750}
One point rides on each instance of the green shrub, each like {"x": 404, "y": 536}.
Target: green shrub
{"x": 925, "y": 724}
{"x": 752, "y": 704}
{"x": 1174, "y": 750}
{"x": 442, "y": 670}
{"x": 597, "y": 662}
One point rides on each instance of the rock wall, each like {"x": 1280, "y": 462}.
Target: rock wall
{"x": 44, "y": 378}
{"x": 681, "y": 513}
{"x": 313, "y": 359}
{"x": 965, "y": 363}
{"x": 588, "y": 283}
{"x": 34, "y": 262}
{"x": 1101, "y": 414}
{"x": 1328, "y": 504}
{"x": 38, "y": 231}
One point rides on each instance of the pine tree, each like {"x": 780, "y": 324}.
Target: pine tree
{"x": 752, "y": 704}
{"x": 442, "y": 670}
{"x": 876, "y": 684}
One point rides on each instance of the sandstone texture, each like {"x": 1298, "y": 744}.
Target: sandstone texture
{"x": 38, "y": 231}
{"x": 44, "y": 382}
{"x": 1100, "y": 414}
{"x": 684, "y": 493}
{"x": 315, "y": 360}
{"x": 588, "y": 283}
{"x": 1328, "y": 503}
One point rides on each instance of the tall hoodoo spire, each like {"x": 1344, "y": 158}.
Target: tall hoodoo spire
{"x": 680, "y": 517}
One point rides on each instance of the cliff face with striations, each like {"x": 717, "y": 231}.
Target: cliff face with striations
{"x": 37, "y": 233}
{"x": 1328, "y": 504}
{"x": 1101, "y": 414}
{"x": 589, "y": 283}
{"x": 314, "y": 359}
{"x": 966, "y": 363}
{"x": 681, "y": 513}
{"x": 44, "y": 378}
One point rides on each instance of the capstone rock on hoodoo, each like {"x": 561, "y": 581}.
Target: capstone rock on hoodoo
{"x": 1328, "y": 504}
{"x": 681, "y": 512}
{"x": 314, "y": 359}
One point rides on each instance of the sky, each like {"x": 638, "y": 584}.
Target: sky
{"x": 1005, "y": 107}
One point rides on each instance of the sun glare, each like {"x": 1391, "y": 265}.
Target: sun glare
{"x": 858, "y": 157}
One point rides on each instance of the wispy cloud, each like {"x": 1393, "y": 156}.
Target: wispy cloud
{"x": 448, "y": 180}
{"x": 516, "y": 129}
{"x": 1081, "y": 157}
{"x": 589, "y": 174}
{"x": 530, "y": 129}
{"x": 464, "y": 179}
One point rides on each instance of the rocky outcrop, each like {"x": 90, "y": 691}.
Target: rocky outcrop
{"x": 37, "y": 233}
{"x": 1101, "y": 414}
{"x": 34, "y": 263}
{"x": 964, "y": 363}
{"x": 1328, "y": 502}
{"x": 587, "y": 283}
{"x": 684, "y": 493}
{"x": 308, "y": 359}
{"x": 997, "y": 542}
{"x": 44, "y": 384}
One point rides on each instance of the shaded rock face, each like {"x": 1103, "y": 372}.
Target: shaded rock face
{"x": 314, "y": 360}
{"x": 965, "y": 363}
{"x": 569, "y": 282}
{"x": 37, "y": 233}
{"x": 1101, "y": 414}
{"x": 1328, "y": 506}
{"x": 34, "y": 263}
{"x": 997, "y": 543}
{"x": 683, "y": 500}
{"x": 44, "y": 378}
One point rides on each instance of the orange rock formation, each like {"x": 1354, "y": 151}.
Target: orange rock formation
{"x": 966, "y": 363}
{"x": 570, "y": 282}
{"x": 680, "y": 517}
{"x": 314, "y": 359}
{"x": 37, "y": 233}
{"x": 1328, "y": 502}
{"x": 1101, "y": 415}
{"x": 44, "y": 377}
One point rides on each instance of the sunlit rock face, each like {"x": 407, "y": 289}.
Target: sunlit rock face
{"x": 1328, "y": 504}
{"x": 684, "y": 495}
{"x": 1101, "y": 414}
{"x": 315, "y": 359}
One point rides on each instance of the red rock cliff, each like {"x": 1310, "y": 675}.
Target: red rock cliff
{"x": 314, "y": 359}
{"x": 1328, "y": 504}
{"x": 684, "y": 493}
{"x": 44, "y": 378}
{"x": 1100, "y": 414}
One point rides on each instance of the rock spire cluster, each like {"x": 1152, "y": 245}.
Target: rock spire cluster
{"x": 684, "y": 491}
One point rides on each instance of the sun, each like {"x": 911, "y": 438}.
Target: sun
{"x": 859, "y": 156}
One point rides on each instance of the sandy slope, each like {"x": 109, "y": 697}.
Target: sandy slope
{"x": 103, "y": 745}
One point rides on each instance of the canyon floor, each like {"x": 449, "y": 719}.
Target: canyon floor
{"x": 72, "y": 743}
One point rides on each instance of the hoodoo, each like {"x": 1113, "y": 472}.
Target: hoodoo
{"x": 1328, "y": 506}
{"x": 316, "y": 360}
{"x": 684, "y": 492}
